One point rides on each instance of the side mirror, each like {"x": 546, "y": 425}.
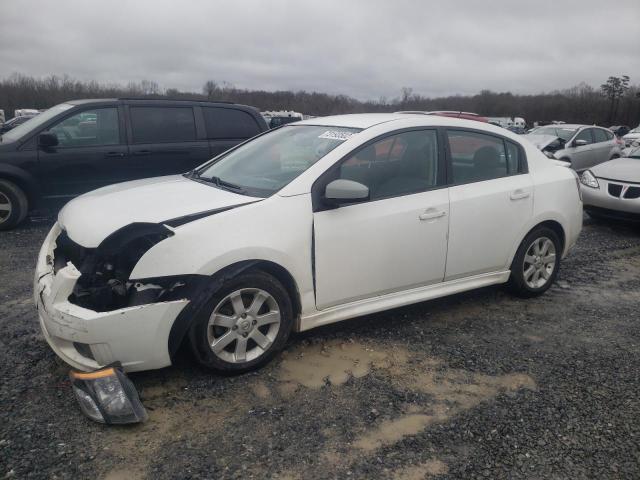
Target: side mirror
{"x": 580, "y": 143}
{"x": 342, "y": 191}
{"x": 47, "y": 139}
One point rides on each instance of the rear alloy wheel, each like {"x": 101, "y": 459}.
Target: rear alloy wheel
{"x": 13, "y": 205}
{"x": 536, "y": 263}
{"x": 249, "y": 321}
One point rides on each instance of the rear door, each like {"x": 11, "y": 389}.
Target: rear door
{"x": 226, "y": 127}
{"x": 165, "y": 140}
{"x": 602, "y": 146}
{"x": 91, "y": 153}
{"x": 491, "y": 201}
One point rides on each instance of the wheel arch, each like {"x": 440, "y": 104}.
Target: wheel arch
{"x": 194, "y": 309}
{"x": 22, "y": 179}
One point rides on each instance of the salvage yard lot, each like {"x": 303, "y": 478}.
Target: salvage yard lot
{"x": 477, "y": 385}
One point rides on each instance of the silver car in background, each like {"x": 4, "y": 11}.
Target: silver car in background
{"x": 612, "y": 189}
{"x": 581, "y": 145}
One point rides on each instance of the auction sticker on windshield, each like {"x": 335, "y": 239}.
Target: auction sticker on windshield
{"x": 339, "y": 135}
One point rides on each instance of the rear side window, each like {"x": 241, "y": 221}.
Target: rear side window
{"x": 162, "y": 124}
{"x": 476, "y": 157}
{"x": 600, "y": 135}
{"x": 229, "y": 123}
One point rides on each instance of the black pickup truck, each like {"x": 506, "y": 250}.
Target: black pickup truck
{"x": 82, "y": 145}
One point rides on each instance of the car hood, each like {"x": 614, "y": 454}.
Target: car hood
{"x": 92, "y": 217}
{"x": 541, "y": 141}
{"x": 621, "y": 169}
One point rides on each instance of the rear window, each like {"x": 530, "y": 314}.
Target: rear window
{"x": 162, "y": 124}
{"x": 229, "y": 123}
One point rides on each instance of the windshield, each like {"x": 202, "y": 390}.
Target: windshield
{"x": 264, "y": 165}
{"x": 564, "y": 133}
{"x": 34, "y": 123}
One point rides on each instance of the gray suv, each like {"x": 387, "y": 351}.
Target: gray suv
{"x": 582, "y": 145}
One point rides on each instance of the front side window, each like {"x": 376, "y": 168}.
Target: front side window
{"x": 89, "y": 128}
{"x": 225, "y": 123}
{"x": 400, "y": 164}
{"x": 162, "y": 124}
{"x": 585, "y": 135}
{"x": 476, "y": 157}
{"x": 266, "y": 164}
{"x": 38, "y": 120}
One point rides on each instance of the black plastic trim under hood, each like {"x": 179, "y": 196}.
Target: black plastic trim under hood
{"x": 178, "y": 221}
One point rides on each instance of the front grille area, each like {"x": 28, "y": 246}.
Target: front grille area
{"x": 632, "y": 192}
{"x": 615, "y": 189}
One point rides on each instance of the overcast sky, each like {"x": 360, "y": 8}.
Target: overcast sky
{"x": 362, "y": 48}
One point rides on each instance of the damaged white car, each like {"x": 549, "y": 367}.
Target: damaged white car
{"x": 315, "y": 222}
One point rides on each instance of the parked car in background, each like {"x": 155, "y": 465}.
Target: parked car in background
{"x": 316, "y": 222}
{"x": 278, "y": 118}
{"x": 14, "y": 122}
{"x": 612, "y": 189}
{"x": 633, "y": 135}
{"x": 581, "y": 145}
{"x": 82, "y": 145}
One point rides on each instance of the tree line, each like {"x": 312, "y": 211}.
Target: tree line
{"x": 614, "y": 102}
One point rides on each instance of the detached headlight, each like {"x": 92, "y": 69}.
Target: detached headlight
{"x": 587, "y": 178}
{"x": 108, "y": 396}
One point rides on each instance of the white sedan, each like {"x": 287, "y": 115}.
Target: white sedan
{"x": 305, "y": 225}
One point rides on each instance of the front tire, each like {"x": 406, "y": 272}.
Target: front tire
{"x": 14, "y": 205}
{"x": 536, "y": 263}
{"x": 247, "y": 322}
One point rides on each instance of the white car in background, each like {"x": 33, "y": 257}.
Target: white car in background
{"x": 315, "y": 222}
{"x": 632, "y": 136}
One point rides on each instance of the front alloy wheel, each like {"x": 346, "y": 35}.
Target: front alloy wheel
{"x": 243, "y": 325}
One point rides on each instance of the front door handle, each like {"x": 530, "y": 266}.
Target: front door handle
{"x": 432, "y": 214}
{"x": 519, "y": 194}
{"x": 114, "y": 154}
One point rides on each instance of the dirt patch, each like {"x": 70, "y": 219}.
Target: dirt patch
{"x": 427, "y": 469}
{"x": 333, "y": 363}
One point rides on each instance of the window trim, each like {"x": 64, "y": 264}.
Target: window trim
{"x": 130, "y": 124}
{"x": 320, "y": 183}
{"x": 121, "y": 127}
{"x": 523, "y": 164}
{"x": 214, "y": 138}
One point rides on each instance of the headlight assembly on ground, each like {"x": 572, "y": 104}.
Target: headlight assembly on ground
{"x": 108, "y": 396}
{"x": 587, "y": 178}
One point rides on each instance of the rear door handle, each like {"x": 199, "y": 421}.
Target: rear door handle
{"x": 142, "y": 152}
{"x": 519, "y": 194}
{"x": 114, "y": 154}
{"x": 432, "y": 214}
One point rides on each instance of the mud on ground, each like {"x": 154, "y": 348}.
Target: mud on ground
{"x": 479, "y": 385}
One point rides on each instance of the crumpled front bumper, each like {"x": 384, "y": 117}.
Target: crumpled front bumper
{"x": 135, "y": 336}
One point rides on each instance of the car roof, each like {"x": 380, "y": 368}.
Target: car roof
{"x": 366, "y": 120}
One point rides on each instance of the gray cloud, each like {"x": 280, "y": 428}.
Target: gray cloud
{"x": 362, "y": 48}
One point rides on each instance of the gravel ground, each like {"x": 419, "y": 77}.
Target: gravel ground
{"x": 479, "y": 385}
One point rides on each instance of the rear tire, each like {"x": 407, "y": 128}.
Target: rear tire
{"x": 536, "y": 263}
{"x": 245, "y": 324}
{"x": 14, "y": 205}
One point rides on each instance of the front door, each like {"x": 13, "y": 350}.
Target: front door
{"x": 584, "y": 156}
{"x": 395, "y": 241}
{"x": 91, "y": 153}
{"x": 491, "y": 201}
